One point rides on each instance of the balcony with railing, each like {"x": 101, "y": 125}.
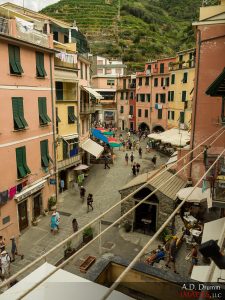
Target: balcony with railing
{"x": 86, "y": 109}
{"x": 23, "y": 30}
{"x": 180, "y": 65}
{"x": 68, "y": 162}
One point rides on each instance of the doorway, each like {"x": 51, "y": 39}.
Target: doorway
{"x": 37, "y": 205}
{"x": 145, "y": 218}
{"x": 23, "y": 217}
{"x": 63, "y": 176}
{"x": 131, "y": 126}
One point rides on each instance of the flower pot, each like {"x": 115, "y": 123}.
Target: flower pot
{"x": 69, "y": 252}
{"x": 87, "y": 238}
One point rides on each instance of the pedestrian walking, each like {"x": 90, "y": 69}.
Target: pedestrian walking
{"x": 154, "y": 160}
{"x": 14, "y": 249}
{"x": 194, "y": 258}
{"x": 126, "y": 158}
{"x": 130, "y": 145}
{"x": 75, "y": 225}
{"x": 53, "y": 224}
{"x": 172, "y": 254}
{"x": 82, "y": 193}
{"x": 5, "y": 264}
{"x": 134, "y": 169}
{"x": 62, "y": 185}
{"x": 90, "y": 202}
{"x": 147, "y": 148}
{"x": 132, "y": 158}
{"x": 2, "y": 244}
{"x": 57, "y": 218}
{"x": 134, "y": 145}
{"x": 106, "y": 161}
{"x": 140, "y": 152}
{"x": 138, "y": 168}
{"x": 124, "y": 146}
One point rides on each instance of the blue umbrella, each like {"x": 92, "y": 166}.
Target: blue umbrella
{"x": 98, "y": 135}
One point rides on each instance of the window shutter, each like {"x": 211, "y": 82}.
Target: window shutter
{"x": 172, "y": 96}
{"x": 183, "y": 96}
{"x": 169, "y": 93}
{"x": 25, "y": 161}
{"x": 185, "y": 77}
{"x": 173, "y": 79}
{"x": 44, "y": 150}
{"x": 17, "y": 59}
{"x": 42, "y": 118}
{"x": 44, "y": 103}
{"x": 21, "y": 112}
{"x": 12, "y": 64}
{"x": 71, "y": 116}
{"x": 16, "y": 114}
{"x": 21, "y": 172}
{"x": 40, "y": 64}
{"x": 182, "y": 117}
{"x": 157, "y": 98}
{"x": 65, "y": 150}
{"x": 57, "y": 116}
{"x": 159, "y": 113}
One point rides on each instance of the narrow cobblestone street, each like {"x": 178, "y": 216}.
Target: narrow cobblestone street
{"x": 104, "y": 185}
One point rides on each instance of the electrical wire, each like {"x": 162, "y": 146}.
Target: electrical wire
{"x": 13, "y": 277}
{"x": 133, "y": 262}
{"x": 118, "y": 220}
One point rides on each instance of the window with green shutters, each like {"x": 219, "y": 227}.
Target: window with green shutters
{"x": 184, "y": 95}
{"x": 147, "y": 81}
{"x": 122, "y": 96}
{"x": 42, "y": 107}
{"x": 163, "y": 98}
{"x": 155, "y": 81}
{"x": 18, "y": 113}
{"x": 157, "y": 98}
{"x": 121, "y": 109}
{"x": 159, "y": 113}
{"x": 71, "y": 115}
{"x": 146, "y": 113}
{"x": 173, "y": 114}
{"x": 173, "y": 79}
{"x": 45, "y": 157}
{"x": 40, "y": 67}
{"x": 185, "y": 77}
{"x": 148, "y": 96}
{"x": 161, "y": 70}
{"x": 22, "y": 167}
{"x": 14, "y": 60}
{"x": 171, "y": 96}
{"x": 182, "y": 117}
{"x": 139, "y": 113}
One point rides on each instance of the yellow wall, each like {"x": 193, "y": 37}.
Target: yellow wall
{"x": 63, "y": 126}
{"x": 177, "y": 105}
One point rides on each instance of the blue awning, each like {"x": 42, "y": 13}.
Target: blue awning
{"x": 98, "y": 135}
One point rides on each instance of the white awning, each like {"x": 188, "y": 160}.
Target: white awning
{"x": 155, "y": 136}
{"x": 212, "y": 230}
{"x": 70, "y": 136}
{"x": 93, "y": 92}
{"x": 30, "y": 190}
{"x": 172, "y": 160}
{"x": 105, "y": 90}
{"x": 197, "y": 195}
{"x": 174, "y": 136}
{"x": 92, "y": 147}
{"x": 60, "y": 285}
{"x": 65, "y": 76}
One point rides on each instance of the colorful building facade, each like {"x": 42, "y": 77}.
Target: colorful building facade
{"x": 27, "y": 125}
{"x": 181, "y": 89}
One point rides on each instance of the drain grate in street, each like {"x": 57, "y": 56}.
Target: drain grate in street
{"x": 108, "y": 245}
{"x": 108, "y": 223}
{"x": 64, "y": 213}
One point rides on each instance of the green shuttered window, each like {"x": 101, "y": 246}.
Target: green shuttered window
{"x": 182, "y": 117}
{"x": 185, "y": 77}
{"x": 22, "y": 167}
{"x": 18, "y": 113}
{"x": 71, "y": 115}
{"x": 40, "y": 68}
{"x": 45, "y": 157}
{"x": 159, "y": 113}
{"x": 173, "y": 79}
{"x": 14, "y": 60}
{"x": 42, "y": 107}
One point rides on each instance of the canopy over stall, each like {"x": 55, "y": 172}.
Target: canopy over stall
{"x": 174, "y": 136}
{"x": 93, "y": 148}
{"x": 98, "y": 135}
{"x": 197, "y": 196}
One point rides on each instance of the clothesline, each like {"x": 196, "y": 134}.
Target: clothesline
{"x": 66, "y": 57}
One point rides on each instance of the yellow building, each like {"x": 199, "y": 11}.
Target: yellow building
{"x": 182, "y": 75}
{"x": 67, "y": 108}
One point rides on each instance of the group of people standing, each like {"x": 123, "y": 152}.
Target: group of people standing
{"x": 89, "y": 198}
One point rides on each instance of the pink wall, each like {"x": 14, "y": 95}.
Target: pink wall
{"x": 30, "y": 88}
{"x": 207, "y": 110}
{"x": 143, "y": 89}
{"x": 155, "y": 71}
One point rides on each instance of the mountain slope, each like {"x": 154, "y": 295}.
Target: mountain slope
{"x": 135, "y": 30}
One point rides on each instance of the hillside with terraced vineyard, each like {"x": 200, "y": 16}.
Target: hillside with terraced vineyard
{"x": 134, "y": 30}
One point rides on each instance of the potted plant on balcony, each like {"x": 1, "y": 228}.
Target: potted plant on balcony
{"x": 87, "y": 235}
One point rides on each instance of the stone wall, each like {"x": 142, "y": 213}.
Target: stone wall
{"x": 165, "y": 206}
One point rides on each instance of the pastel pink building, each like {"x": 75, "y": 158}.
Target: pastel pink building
{"x": 26, "y": 128}
{"x": 159, "y": 71}
{"x": 143, "y": 100}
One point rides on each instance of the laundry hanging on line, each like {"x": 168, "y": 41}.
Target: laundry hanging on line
{"x": 66, "y": 57}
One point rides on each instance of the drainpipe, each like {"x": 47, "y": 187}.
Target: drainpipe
{"x": 196, "y": 99}
{"x": 53, "y": 129}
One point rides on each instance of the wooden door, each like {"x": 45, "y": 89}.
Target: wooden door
{"x": 37, "y": 205}
{"x": 23, "y": 218}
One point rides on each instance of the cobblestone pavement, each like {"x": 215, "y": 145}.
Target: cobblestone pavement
{"x": 104, "y": 185}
